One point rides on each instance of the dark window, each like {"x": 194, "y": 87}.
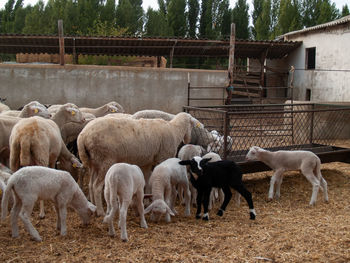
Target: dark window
{"x": 311, "y": 58}
{"x": 308, "y": 95}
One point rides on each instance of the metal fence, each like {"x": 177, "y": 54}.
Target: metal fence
{"x": 309, "y": 126}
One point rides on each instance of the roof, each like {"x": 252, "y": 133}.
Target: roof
{"x": 144, "y": 46}
{"x": 343, "y": 20}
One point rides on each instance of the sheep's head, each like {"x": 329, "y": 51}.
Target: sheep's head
{"x": 196, "y": 165}
{"x": 253, "y": 154}
{"x": 87, "y": 213}
{"x": 35, "y": 108}
{"x": 112, "y": 109}
{"x": 73, "y": 113}
{"x": 116, "y": 105}
{"x": 158, "y": 208}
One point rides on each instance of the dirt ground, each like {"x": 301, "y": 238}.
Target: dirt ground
{"x": 285, "y": 230}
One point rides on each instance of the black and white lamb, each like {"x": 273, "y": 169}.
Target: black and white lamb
{"x": 222, "y": 174}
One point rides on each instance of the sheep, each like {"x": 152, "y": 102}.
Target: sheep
{"x": 3, "y": 107}
{"x": 37, "y": 182}
{"x": 145, "y": 142}
{"x": 5, "y": 174}
{"x": 187, "y": 152}
{"x": 281, "y": 161}
{"x": 33, "y": 108}
{"x": 37, "y": 141}
{"x": 164, "y": 179}
{"x": 125, "y": 182}
{"x": 217, "y": 145}
{"x": 221, "y": 174}
{"x": 199, "y": 135}
{"x": 111, "y": 107}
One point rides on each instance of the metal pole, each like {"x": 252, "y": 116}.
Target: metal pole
{"x": 61, "y": 41}
{"x": 231, "y": 63}
{"x": 226, "y": 122}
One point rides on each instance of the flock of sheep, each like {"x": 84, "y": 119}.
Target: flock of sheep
{"x": 125, "y": 156}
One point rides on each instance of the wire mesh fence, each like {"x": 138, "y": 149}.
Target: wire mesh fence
{"x": 310, "y": 126}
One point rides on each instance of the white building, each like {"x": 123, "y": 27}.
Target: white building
{"x": 322, "y": 62}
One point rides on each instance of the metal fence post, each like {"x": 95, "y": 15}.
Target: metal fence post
{"x": 312, "y": 123}
{"x": 226, "y": 123}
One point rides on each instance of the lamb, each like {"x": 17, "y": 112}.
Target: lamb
{"x": 281, "y": 161}
{"x": 217, "y": 145}
{"x": 187, "y": 152}
{"x": 36, "y": 182}
{"x": 111, "y": 107}
{"x": 221, "y": 174}
{"x": 33, "y": 108}
{"x": 145, "y": 142}
{"x": 125, "y": 182}
{"x": 164, "y": 180}
{"x": 199, "y": 135}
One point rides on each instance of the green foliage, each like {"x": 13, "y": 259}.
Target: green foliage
{"x": 258, "y": 8}
{"x": 289, "y": 16}
{"x": 129, "y": 15}
{"x": 156, "y": 24}
{"x": 345, "y": 11}
{"x": 241, "y": 19}
{"x": 177, "y": 17}
{"x": 193, "y": 12}
{"x": 263, "y": 23}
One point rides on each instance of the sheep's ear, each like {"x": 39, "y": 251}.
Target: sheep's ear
{"x": 205, "y": 160}
{"x": 76, "y": 163}
{"x": 149, "y": 208}
{"x": 186, "y": 162}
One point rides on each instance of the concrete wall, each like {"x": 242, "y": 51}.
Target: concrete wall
{"x": 134, "y": 88}
{"x": 330, "y": 81}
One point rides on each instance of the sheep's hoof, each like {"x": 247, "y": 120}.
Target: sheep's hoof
{"x": 252, "y": 216}
{"x": 269, "y": 199}
{"x": 205, "y": 218}
{"x": 38, "y": 239}
{"x": 220, "y": 212}
{"x": 41, "y": 216}
{"x": 198, "y": 216}
{"x": 125, "y": 239}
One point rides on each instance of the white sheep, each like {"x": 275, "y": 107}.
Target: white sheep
{"x": 36, "y": 182}
{"x": 165, "y": 178}
{"x": 111, "y": 107}
{"x": 3, "y": 107}
{"x": 124, "y": 183}
{"x": 33, "y": 108}
{"x": 281, "y": 161}
{"x": 187, "y": 152}
{"x": 37, "y": 141}
{"x": 144, "y": 142}
{"x": 199, "y": 135}
{"x": 217, "y": 145}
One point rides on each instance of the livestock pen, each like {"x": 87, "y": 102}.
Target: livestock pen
{"x": 303, "y": 126}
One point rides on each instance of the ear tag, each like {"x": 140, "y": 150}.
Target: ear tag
{"x": 113, "y": 110}
{"x": 74, "y": 165}
{"x": 0, "y": 192}
{"x": 198, "y": 125}
{"x": 73, "y": 112}
{"x": 36, "y": 110}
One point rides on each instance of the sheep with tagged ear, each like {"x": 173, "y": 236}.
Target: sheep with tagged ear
{"x": 164, "y": 180}
{"x": 144, "y": 142}
{"x": 33, "y": 108}
{"x": 111, "y": 107}
{"x": 281, "y": 161}
{"x": 221, "y": 174}
{"x": 37, "y": 141}
{"x": 36, "y": 182}
{"x": 123, "y": 183}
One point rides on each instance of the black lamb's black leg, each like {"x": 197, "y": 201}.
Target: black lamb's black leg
{"x": 248, "y": 197}
{"x": 199, "y": 203}
{"x": 206, "y": 198}
{"x": 228, "y": 196}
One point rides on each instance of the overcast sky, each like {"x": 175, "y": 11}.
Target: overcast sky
{"x": 154, "y": 3}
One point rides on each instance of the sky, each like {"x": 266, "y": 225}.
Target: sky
{"x": 154, "y": 3}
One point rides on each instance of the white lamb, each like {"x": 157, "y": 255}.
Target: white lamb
{"x": 281, "y": 161}
{"x": 36, "y": 182}
{"x": 124, "y": 183}
{"x": 217, "y": 145}
{"x": 165, "y": 177}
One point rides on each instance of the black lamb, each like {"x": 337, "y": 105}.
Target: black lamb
{"x": 221, "y": 174}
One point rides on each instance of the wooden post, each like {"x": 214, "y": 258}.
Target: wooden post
{"x": 231, "y": 64}
{"x": 262, "y": 73}
{"x": 61, "y": 41}
{"x": 75, "y": 56}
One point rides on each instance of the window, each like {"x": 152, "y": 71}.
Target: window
{"x": 310, "y": 58}
{"x": 308, "y": 95}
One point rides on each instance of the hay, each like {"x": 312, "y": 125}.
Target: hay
{"x": 285, "y": 230}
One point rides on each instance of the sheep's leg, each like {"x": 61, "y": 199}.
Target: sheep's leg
{"x": 199, "y": 203}
{"x": 42, "y": 209}
{"x": 107, "y": 197}
{"x": 140, "y": 208}
{"x": 324, "y": 187}
{"x": 58, "y": 222}
{"x": 248, "y": 197}
{"x": 62, "y": 211}
{"x": 314, "y": 181}
{"x": 173, "y": 198}
{"x": 279, "y": 179}
{"x": 14, "y": 216}
{"x": 97, "y": 187}
{"x": 193, "y": 195}
{"x": 110, "y": 216}
{"x": 168, "y": 201}
{"x": 228, "y": 196}
{"x": 211, "y": 199}
{"x": 122, "y": 219}
{"x": 24, "y": 214}
{"x": 237, "y": 198}
{"x": 91, "y": 188}
{"x": 272, "y": 183}
{"x": 206, "y": 204}
{"x": 187, "y": 194}
{"x": 180, "y": 193}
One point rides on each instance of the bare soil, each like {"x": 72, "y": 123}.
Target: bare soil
{"x": 285, "y": 230}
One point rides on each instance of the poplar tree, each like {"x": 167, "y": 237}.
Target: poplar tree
{"x": 258, "y": 7}
{"x": 240, "y": 17}
{"x": 192, "y": 18}
{"x": 345, "y": 11}
{"x": 177, "y": 17}
{"x": 263, "y": 23}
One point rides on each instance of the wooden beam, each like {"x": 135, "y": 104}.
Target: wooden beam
{"x": 231, "y": 64}
{"x": 61, "y": 41}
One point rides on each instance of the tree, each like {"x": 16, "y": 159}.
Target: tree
{"x": 240, "y": 17}
{"x": 274, "y": 18}
{"x": 177, "y": 17}
{"x": 258, "y": 7}
{"x": 263, "y": 23}
{"x": 205, "y": 22}
{"x": 328, "y": 12}
{"x": 289, "y": 16}
{"x": 108, "y": 12}
{"x": 129, "y": 16}
{"x": 192, "y": 18}
{"x": 345, "y": 11}
{"x": 35, "y": 21}
{"x": 156, "y": 23}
